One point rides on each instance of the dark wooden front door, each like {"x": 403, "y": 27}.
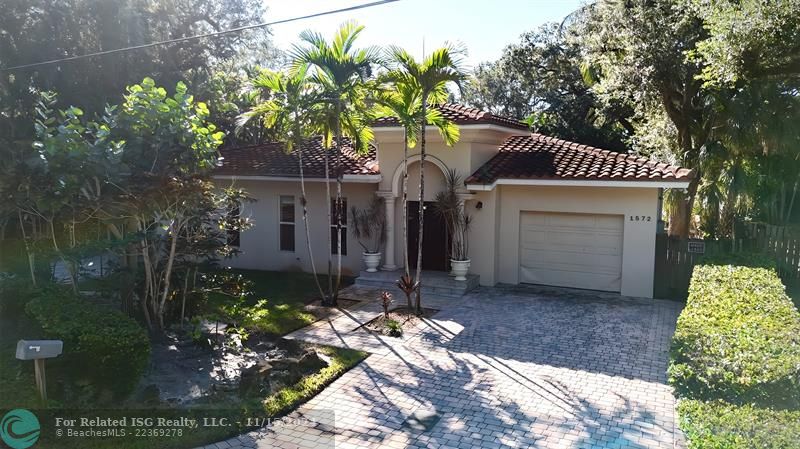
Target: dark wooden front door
{"x": 434, "y": 243}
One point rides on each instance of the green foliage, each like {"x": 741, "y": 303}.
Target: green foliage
{"x": 543, "y": 78}
{"x": 102, "y": 347}
{"x": 738, "y": 338}
{"x": 717, "y": 425}
{"x": 394, "y": 328}
{"x": 748, "y": 40}
{"x": 341, "y": 359}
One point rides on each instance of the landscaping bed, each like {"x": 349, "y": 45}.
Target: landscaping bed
{"x": 735, "y": 357}
{"x": 397, "y": 321}
{"x": 230, "y": 360}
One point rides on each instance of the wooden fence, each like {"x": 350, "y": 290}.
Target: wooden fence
{"x": 675, "y": 258}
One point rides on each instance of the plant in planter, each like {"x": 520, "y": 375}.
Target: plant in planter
{"x": 451, "y": 209}
{"x": 369, "y": 228}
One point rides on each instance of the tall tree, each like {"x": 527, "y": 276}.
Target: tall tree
{"x": 341, "y": 71}
{"x": 540, "y": 79}
{"x": 637, "y": 54}
{"x": 400, "y": 98}
{"x": 290, "y": 115}
{"x": 431, "y": 77}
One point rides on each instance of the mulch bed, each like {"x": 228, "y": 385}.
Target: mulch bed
{"x": 407, "y": 319}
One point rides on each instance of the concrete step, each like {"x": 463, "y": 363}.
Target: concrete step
{"x": 433, "y": 283}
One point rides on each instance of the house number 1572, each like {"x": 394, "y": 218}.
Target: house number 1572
{"x": 641, "y": 218}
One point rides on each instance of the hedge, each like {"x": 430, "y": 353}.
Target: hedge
{"x": 718, "y": 425}
{"x": 102, "y": 347}
{"x": 738, "y": 338}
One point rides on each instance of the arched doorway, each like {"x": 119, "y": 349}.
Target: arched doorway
{"x": 435, "y": 243}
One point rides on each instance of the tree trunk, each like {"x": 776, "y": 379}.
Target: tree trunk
{"x": 420, "y": 235}
{"x": 167, "y": 275}
{"x": 327, "y": 299}
{"x": 61, "y": 256}
{"x": 681, "y": 215}
{"x": 339, "y": 211}
{"x": 303, "y": 202}
{"x": 406, "y": 263}
{"x": 31, "y": 261}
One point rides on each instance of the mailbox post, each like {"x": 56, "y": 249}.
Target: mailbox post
{"x": 39, "y": 351}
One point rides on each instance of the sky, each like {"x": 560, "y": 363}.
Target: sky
{"x": 485, "y": 27}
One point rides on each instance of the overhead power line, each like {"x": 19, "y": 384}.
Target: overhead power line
{"x": 199, "y": 36}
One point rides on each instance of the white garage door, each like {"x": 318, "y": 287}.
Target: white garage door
{"x": 571, "y": 250}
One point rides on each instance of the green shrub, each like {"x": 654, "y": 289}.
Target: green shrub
{"x": 718, "y": 425}
{"x": 15, "y": 292}
{"x": 738, "y": 338}
{"x": 394, "y": 329}
{"x": 102, "y": 347}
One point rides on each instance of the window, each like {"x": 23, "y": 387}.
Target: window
{"x": 334, "y": 219}
{"x": 233, "y": 218}
{"x": 286, "y": 223}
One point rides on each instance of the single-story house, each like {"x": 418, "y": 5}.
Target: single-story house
{"x": 544, "y": 210}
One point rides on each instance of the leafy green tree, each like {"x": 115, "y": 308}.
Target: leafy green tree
{"x": 636, "y": 53}
{"x": 748, "y": 40}
{"x": 541, "y": 79}
{"x": 341, "y": 72}
{"x": 38, "y": 30}
{"x": 430, "y": 77}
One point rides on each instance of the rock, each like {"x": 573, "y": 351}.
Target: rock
{"x": 255, "y": 378}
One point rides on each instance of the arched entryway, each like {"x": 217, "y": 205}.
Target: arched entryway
{"x": 435, "y": 240}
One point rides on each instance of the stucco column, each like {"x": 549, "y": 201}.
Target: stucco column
{"x": 388, "y": 250}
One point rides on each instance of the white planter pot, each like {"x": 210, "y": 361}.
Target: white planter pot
{"x": 460, "y": 268}
{"x": 372, "y": 261}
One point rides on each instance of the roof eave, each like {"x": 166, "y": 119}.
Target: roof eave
{"x": 679, "y": 184}
{"x": 349, "y": 178}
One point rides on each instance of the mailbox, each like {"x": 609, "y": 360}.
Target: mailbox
{"x": 39, "y": 349}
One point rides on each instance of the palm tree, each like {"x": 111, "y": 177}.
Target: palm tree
{"x": 430, "y": 77}
{"x": 341, "y": 71}
{"x": 401, "y": 99}
{"x": 290, "y": 115}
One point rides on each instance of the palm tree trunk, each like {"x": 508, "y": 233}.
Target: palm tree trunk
{"x": 326, "y": 298}
{"x": 304, "y": 203}
{"x": 418, "y": 279}
{"x": 339, "y": 211}
{"x": 406, "y": 264}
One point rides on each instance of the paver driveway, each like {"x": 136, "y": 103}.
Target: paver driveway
{"x": 501, "y": 367}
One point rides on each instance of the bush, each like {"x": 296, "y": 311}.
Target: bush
{"x": 102, "y": 347}
{"x": 718, "y": 425}
{"x": 738, "y": 338}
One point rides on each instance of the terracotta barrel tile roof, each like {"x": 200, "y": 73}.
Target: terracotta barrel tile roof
{"x": 541, "y": 157}
{"x": 271, "y": 159}
{"x": 463, "y": 115}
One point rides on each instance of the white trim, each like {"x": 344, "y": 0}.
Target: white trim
{"x": 475, "y": 126}
{"x": 364, "y": 179}
{"x": 578, "y": 183}
{"x": 398, "y": 172}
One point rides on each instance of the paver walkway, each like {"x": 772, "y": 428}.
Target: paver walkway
{"x": 501, "y": 367}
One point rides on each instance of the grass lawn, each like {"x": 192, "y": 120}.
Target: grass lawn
{"x": 275, "y": 303}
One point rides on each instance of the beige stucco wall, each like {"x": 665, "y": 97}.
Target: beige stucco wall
{"x": 260, "y": 244}
{"x": 501, "y": 211}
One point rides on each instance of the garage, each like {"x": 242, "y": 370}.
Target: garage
{"x": 571, "y": 250}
